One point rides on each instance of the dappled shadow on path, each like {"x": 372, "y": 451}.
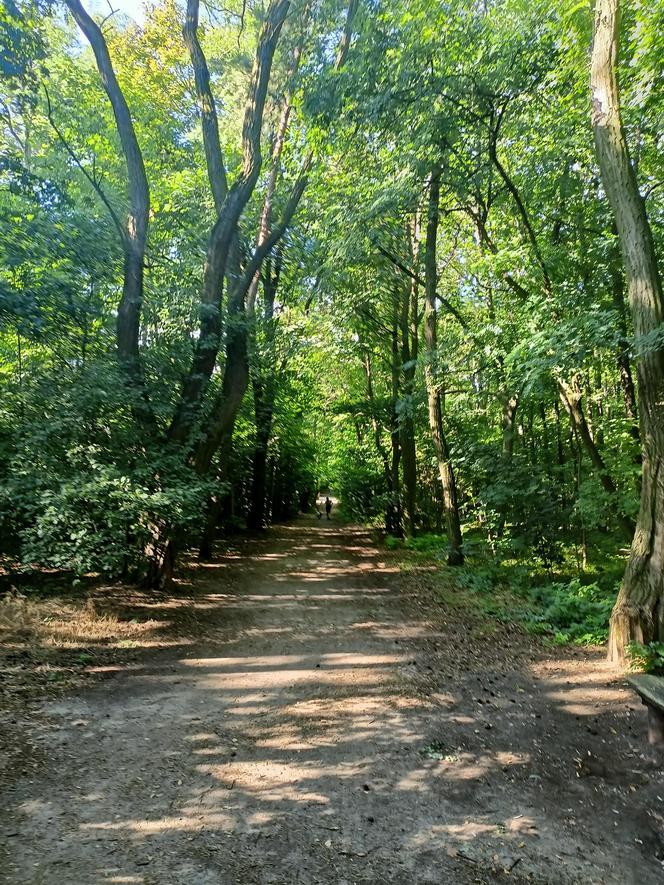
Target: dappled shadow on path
{"x": 337, "y": 727}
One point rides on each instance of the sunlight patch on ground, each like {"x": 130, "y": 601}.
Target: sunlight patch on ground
{"x": 147, "y": 827}
{"x": 270, "y": 662}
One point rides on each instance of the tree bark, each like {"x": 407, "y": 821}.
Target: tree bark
{"x": 206, "y": 104}
{"x": 264, "y": 412}
{"x": 264, "y": 389}
{"x": 639, "y": 610}
{"x": 223, "y": 260}
{"x": 395, "y": 441}
{"x": 344, "y": 43}
{"x": 445, "y": 470}
{"x": 378, "y": 440}
{"x": 509, "y": 407}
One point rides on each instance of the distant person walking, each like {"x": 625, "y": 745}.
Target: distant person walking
{"x": 328, "y": 506}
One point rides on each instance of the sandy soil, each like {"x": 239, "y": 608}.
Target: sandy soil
{"x": 336, "y": 724}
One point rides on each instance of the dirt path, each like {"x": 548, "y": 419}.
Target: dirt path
{"x": 339, "y": 727}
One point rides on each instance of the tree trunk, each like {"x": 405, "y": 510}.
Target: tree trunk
{"x": 134, "y": 232}
{"x": 263, "y": 410}
{"x": 230, "y": 204}
{"x": 639, "y": 610}
{"x": 509, "y": 404}
{"x": 409, "y": 354}
{"x": 560, "y": 449}
{"x": 445, "y": 470}
{"x": 263, "y": 373}
{"x": 216, "y": 503}
{"x": 378, "y": 442}
{"x": 546, "y": 446}
{"x": 570, "y": 396}
{"x": 395, "y": 442}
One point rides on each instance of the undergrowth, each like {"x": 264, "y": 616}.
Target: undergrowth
{"x": 648, "y": 658}
{"x": 565, "y": 606}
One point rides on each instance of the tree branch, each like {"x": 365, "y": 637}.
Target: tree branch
{"x": 266, "y": 245}
{"x": 516, "y": 196}
{"x": 209, "y": 121}
{"x": 449, "y": 307}
{"x": 93, "y": 182}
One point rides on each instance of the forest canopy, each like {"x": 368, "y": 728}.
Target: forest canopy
{"x": 404, "y": 251}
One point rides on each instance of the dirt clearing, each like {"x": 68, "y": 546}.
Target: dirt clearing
{"x": 332, "y": 723}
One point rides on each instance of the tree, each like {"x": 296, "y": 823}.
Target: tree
{"x": 433, "y": 381}
{"x": 639, "y": 611}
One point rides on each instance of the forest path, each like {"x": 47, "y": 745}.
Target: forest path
{"x": 338, "y": 726}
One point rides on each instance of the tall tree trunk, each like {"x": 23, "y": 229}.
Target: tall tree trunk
{"x": 560, "y": 449}
{"x": 264, "y": 409}
{"x": 409, "y": 354}
{"x": 264, "y": 389}
{"x": 395, "y": 442}
{"x": 215, "y": 506}
{"x": 230, "y": 204}
{"x": 639, "y": 610}
{"x": 509, "y": 407}
{"x": 378, "y": 442}
{"x": 441, "y": 448}
{"x": 546, "y": 446}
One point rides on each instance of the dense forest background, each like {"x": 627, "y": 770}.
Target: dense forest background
{"x": 256, "y": 251}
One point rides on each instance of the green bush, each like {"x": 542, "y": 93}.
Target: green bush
{"x": 573, "y": 612}
{"x": 649, "y": 658}
{"x": 102, "y": 520}
{"x": 81, "y": 489}
{"x": 428, "y": 542}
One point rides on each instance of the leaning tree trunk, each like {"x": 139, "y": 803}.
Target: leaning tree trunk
{"x": 134, "y": 231}
{"x": 570, "y": 397}
{"x": 639, "y": 610}
{"x": 441, "y": 448}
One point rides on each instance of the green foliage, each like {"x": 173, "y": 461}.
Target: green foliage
{"x": 574, "y": 612}
{"x": 104, "y": 521}
{"x": 337, "y": 358}
{"x": 426, "y": 543}
{"x": 649, "y": 658}
{"x": 82, "y": 495}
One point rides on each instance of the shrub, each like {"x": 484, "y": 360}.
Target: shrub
{"x": 649, "y": 658}
{"x": 573, "y": 612}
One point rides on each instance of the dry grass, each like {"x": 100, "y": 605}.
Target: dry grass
{"x": 53, "y": 642}
{"x": 61, "y": 623}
